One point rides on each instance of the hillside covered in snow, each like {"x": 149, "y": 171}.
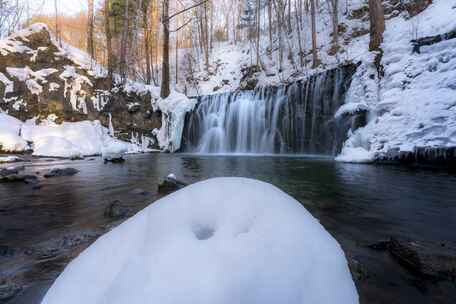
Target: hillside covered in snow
{"x": 64, "y": 102}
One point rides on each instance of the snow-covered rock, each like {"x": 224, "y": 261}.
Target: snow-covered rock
{"x": 223, "y": 241}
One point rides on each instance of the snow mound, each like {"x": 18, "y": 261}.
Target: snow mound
{"x": 10, "y": 141}
{"x": 220, "y": 241}
{"x": 56, "y": 147}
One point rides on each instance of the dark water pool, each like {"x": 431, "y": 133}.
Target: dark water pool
{"x": 357, "y": 204}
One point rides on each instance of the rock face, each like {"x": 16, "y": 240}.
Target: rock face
{"x": 40, "y": 79}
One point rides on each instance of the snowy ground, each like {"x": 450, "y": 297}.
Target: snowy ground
{"x": 224, "y": 241}
{"x": 415, "y": 103}
{"x": 67, "y": 140}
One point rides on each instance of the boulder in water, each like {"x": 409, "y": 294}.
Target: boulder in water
{"x": 61, "y": 172}
{"x": 171, "y": 184}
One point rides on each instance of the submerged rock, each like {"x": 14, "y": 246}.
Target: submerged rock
{"x": 12, "y": 175}
{"x": 139, "y": 191}
{"x": 171, "y": 184}
{"x": 61, "y": 172}
{"x": 116, "y": 158}
{"x": 8, "y": 290}
{"x": 117, "y": 211}
{"x": 426, "y": 259}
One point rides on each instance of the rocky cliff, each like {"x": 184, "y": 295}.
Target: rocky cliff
{"x": 40, "y": 79}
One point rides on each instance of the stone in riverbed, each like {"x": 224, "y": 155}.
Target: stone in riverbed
{"x": 8, "y": 290}
{"x": 139, "y": 191}
{"x": 170, "y": 184}
{"x": 13, "y": 175}
{"x": 61, "y": 172}
{"x": 426, "y": 259}
{"x": 117, "y": 211}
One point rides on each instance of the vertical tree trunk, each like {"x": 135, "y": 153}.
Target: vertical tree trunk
{"x": 258, "y": 33}
{"x": 271, "y": 46}
{"x": 298, "y": 29}
{"x": 124, "y": 42}
{"x": 108, "y": 40}
{"x": 147, "y": 49}
{"x": 377, "y": 24}
{"x": 90, "y": 28}
{"x": 206, "y": 36}
{"x": 165, "y": 89}
{"x": 314, "y": 35}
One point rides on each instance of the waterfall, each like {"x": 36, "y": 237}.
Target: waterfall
{"x": 294, "y": 118}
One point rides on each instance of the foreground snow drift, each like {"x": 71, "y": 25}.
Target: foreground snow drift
{"x": 224, "y": 240}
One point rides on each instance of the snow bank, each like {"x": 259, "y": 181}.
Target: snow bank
{"x": 223, "y": 241}
{"x": 414, "y": 105}
{"x": 10, "y": 128}
{"x": 69, "y": 139}
{"x": 174, "y": 108}
{"x": 56, "y": 147}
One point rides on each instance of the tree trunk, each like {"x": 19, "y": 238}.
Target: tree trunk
{"x": 314, "y": 35}
{"x": 147, "y": 49}
{"x": 165, "y": 90}
{"x": 90, "y": 28}
{"x": 123, "y": 43}
{"x": 377, "y": 24}
{"x": 108, "y": 40}
{"x": 271, "y": 46}
{"x": 258, "y": 33}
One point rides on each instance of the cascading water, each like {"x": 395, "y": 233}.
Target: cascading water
{"x": 297, "y": 118}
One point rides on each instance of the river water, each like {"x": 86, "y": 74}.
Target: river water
{"x": 357, "y": 204}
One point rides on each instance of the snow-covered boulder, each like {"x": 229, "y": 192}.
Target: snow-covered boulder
{"x": 220, "y": 241}
{"x": 56, "y": 147}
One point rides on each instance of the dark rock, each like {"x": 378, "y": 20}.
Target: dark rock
{"x": 114, "y": 159}
{"x": 381, "y": 246}
{"x": 12, "y": 176}
{"x": 139, "y": 191}
{"x": 356, "y": 269}
{"x": 6, "y": 172}
{"x": 434, "y": 260}
{"x": 6, "y": 251}
{"x": 424, "y": 259}
{"x": 61, "y": 172}
{"x": 170, "y": 185}
{"x": 115, "y": 210}
{"x": 8, "y": 290}
{"x": 249, "y": 77}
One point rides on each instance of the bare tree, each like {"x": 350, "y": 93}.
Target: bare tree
{"x": 377, "y": 24}
{"x": 315, "y": 61}
{"x": 108, "y": 40}
{"x": 90, "y": 29}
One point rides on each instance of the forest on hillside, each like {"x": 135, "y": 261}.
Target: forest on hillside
{"x": 138, "y": 39}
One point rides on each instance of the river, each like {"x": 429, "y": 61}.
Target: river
{"x": 357, "y": 204}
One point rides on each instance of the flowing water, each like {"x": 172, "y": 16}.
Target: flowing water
{"x": 296, "y": 118}
{"x": 357, "y": 204}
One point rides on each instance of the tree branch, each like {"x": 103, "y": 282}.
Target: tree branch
{"x": 185, "y": 9}
{"x": 182, "y": 26}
